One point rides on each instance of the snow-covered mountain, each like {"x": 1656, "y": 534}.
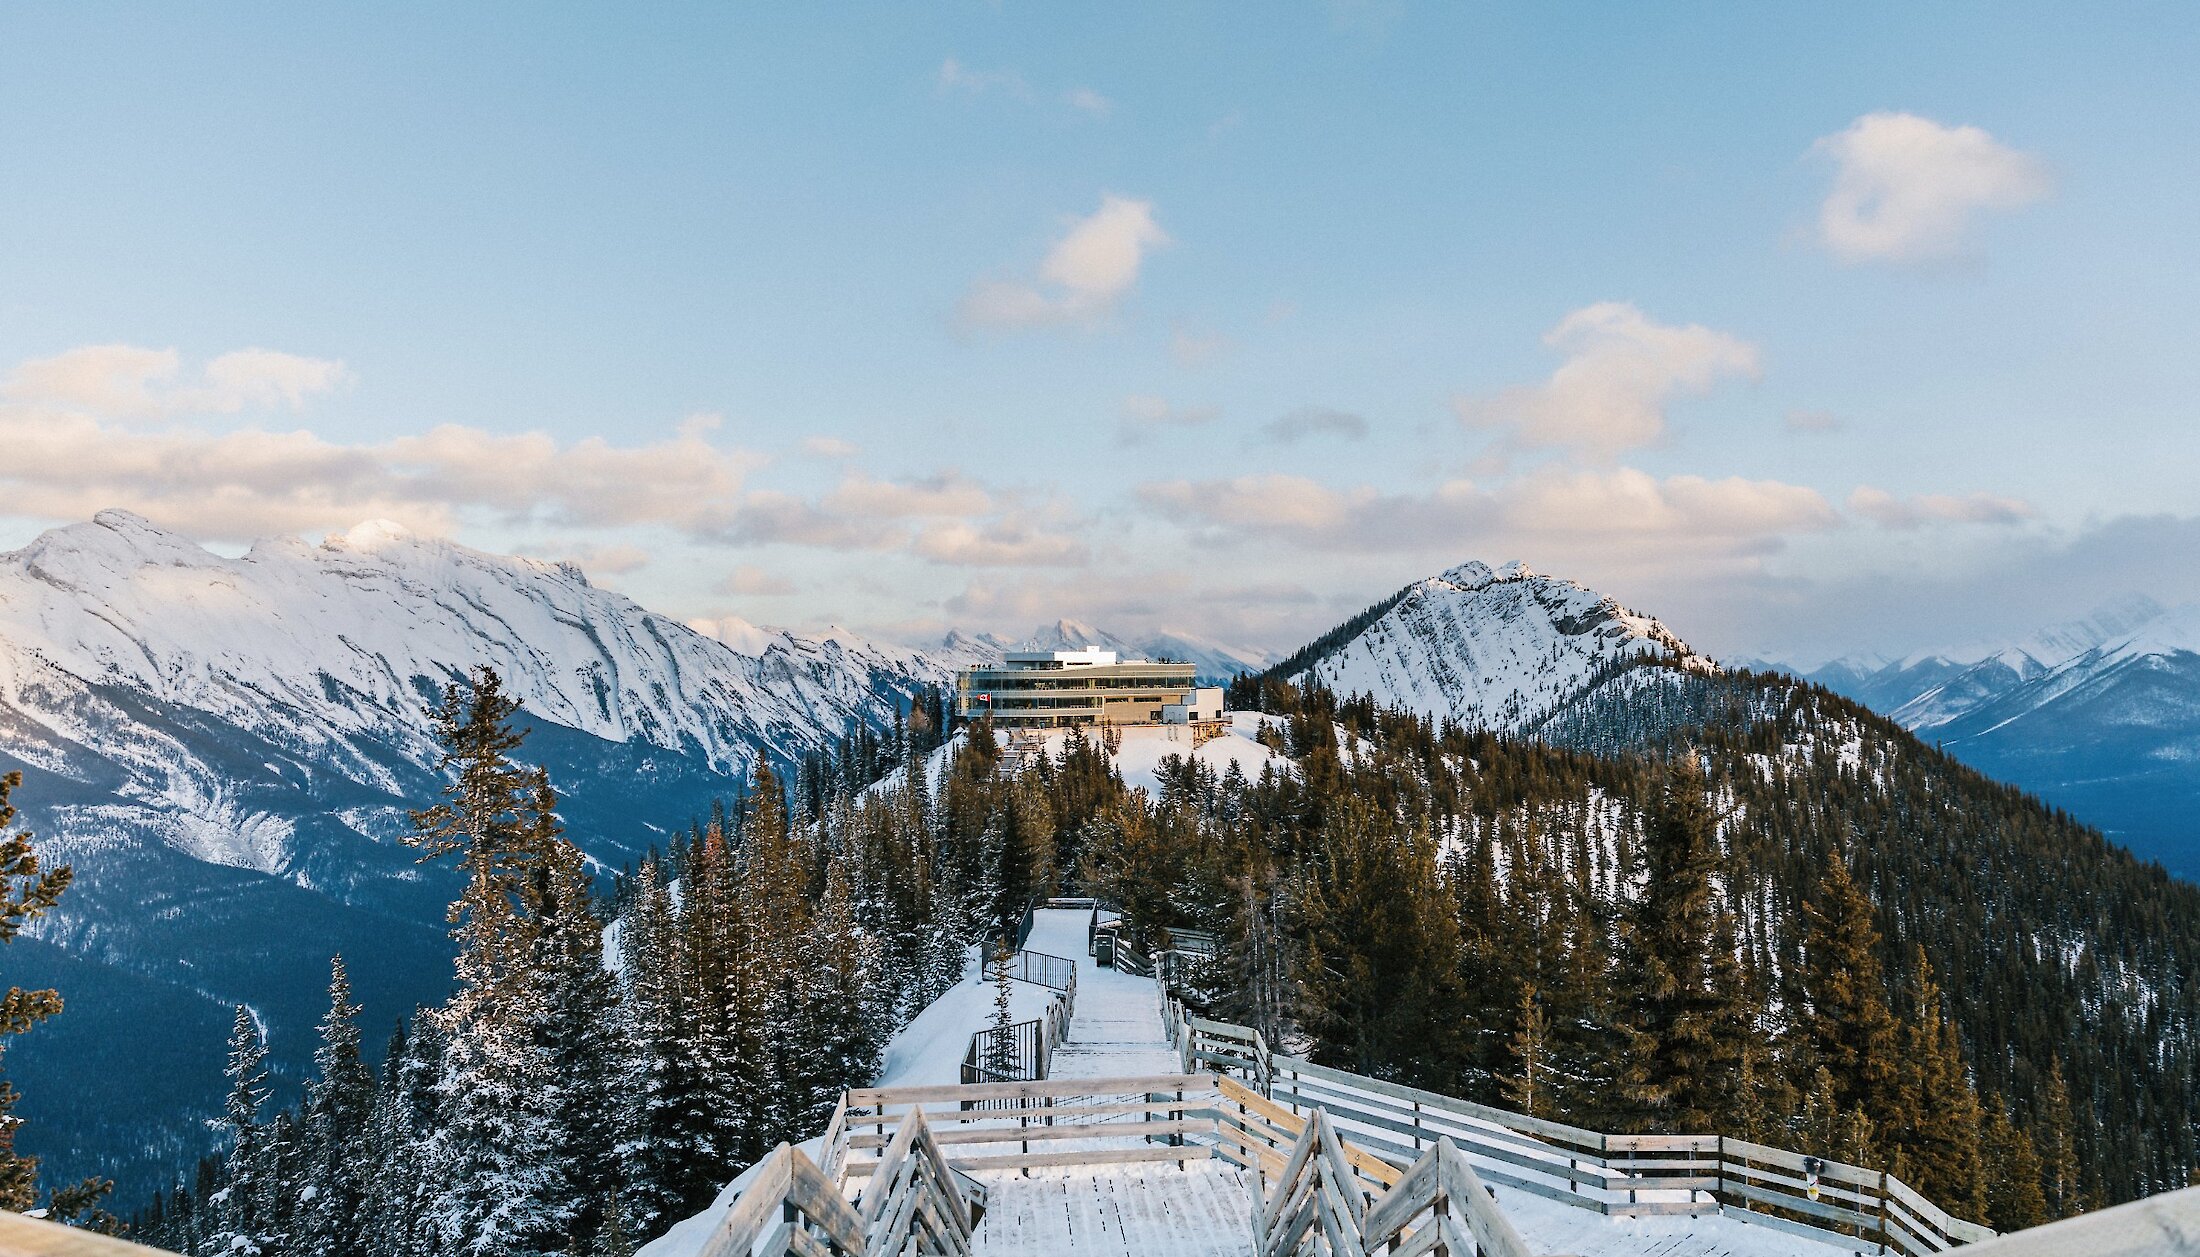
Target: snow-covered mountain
{"x": 225, "y": 748}
{"x": 2100, "y": 715}
{"x": 1496, "y": 649}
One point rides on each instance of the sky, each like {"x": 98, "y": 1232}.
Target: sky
{"x": 1812, "y": 330}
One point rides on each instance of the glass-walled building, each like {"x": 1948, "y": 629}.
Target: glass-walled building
{"x": 1051, "y": 689}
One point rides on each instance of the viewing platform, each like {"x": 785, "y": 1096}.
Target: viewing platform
{"x": 1159, "y": 1134}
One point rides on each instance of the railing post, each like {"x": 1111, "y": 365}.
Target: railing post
{"x": 1882, "y": 1211}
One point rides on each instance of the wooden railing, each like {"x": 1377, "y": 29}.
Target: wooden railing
{"x": 1320, "y": 1206}
{"x": 1617, "y": 1175}
{"x": 1046, "y": 1123}
{"x": 911, "y": 1204}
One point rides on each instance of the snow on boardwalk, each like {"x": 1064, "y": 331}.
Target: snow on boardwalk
{"x": 1117, "y": 1030}
{"x": 1202, "y": 1210}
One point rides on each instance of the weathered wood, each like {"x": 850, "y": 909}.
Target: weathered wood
{"x": 950, "y": 1093}
{"x": 36, "y": 1237}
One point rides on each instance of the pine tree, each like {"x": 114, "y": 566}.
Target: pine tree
{"x": 581, "y": 1034}
{"x": 2013, "y": 1197}
{"x": 1937, "y": 1120}
{"x": 845, "y": 1026}
{"x": 2058, "y": 1148}
{"x": 243, "y": 1226}
{"x": 28, "y": 890}
{"x": 1850, "y": 1030}
{"x": 1000, "y": 1061}
{"x": 495, "y": 1150}
{"x": 335, "y": 1116}
{"x": 1679, "y": 1053}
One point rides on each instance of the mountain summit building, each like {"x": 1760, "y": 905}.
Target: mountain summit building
{"x": 1058, "y": 689}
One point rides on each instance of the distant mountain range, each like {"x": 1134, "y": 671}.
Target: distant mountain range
{"x": 2100, "y": 716}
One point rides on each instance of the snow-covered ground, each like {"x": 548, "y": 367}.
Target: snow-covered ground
{"x": 929, "y": 1050}
{"x": 1117, "y": 1030}
{"x": 1144, "y": 747}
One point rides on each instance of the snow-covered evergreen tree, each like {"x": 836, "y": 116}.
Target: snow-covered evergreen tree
{"x": 243, "y": 1224}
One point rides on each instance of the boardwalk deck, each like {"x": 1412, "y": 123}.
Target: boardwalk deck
{"x": 1203, "y": 1210}
{"x": 1117, "y": 1031}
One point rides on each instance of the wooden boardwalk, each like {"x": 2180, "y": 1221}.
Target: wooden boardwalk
{"x": 1203, "y": 1210}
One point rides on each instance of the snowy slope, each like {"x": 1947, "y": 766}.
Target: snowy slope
{"x": 1499, "y": 649}
{"x": 324, "y": 645}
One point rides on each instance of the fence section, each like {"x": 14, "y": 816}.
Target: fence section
{"x": 1617, "y": 1175}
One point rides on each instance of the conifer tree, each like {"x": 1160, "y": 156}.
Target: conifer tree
{"x": 844, "y": 1027}
{"x": 581, "y": 1035}
{"x": 2012, "y": 1165}
{"x": 1850, "y": 1030}
{"x": 2058, "y": 1148}
{"x": 494, "y": 1151}
{"x": 1936, "y": 1120}
{"x": 28, "y": 890}
{"x": 335, "y": 1115}
{"x": 243, "y": 1224}
{"x": 1679, "y": 1053}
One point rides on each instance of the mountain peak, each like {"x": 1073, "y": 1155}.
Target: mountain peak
{"x": 1498, "y": 648}
{"x": 370, "y": 536}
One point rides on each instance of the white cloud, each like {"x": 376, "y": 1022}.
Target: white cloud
{"x": 132, "y": 382}
{"x": 1003, "y": 543}
{"x": 1552, "y": 512}
{"x": 1261, "y": 502}
{"x": 1621, "y": 371}
{"x": 1904, "y": 513}
{"x": 946, "y": 518}
{"x": 1309, "y": 421}
{"x": 71, "y": 453}
{"x": 1907, "y": 189}
{"x": 954, "y": 76}
{"x": 1083, "y": 277}
{"x": 594, "y": 559}
{"x": 946, "y": 495}
{"x": 1188, "y": 348}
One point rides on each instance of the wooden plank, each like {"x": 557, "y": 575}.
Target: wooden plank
{"x": 1482, "y": 1145}
{"x": 36, "y": 1237}
{"x": 737, "y": 1231}
{"x": 1491, "y": 1229}
{"x": 1431, "y": 1099}
{"x": 1066, "y": 1130}
{"x": 950, "y": 1093}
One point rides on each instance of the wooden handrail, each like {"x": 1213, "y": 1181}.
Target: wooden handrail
{"x": 912, "y": 1203}
{"x": 1613, "y": 1174}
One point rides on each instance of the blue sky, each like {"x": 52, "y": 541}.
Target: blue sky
{"x": 1809, "y": 328}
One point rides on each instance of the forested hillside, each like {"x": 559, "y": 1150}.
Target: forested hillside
{"x": 1703, "y": 903}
